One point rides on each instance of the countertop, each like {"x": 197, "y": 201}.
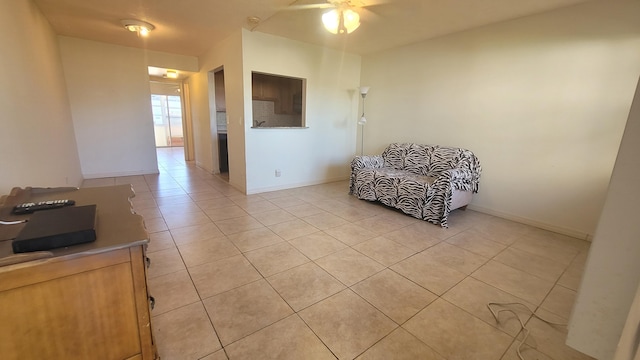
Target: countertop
{"x": 115, "y": 218}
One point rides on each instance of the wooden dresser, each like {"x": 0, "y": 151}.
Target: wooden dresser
{"x": 87, "y": 301}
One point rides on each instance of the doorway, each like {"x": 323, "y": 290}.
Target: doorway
{"x": 219, "y": 121}
{"x": 167, "y": 110}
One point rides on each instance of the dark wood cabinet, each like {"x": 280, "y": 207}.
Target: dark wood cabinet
{"x": 221, "y": 103}
{"x": 286, "y": 93}
{"x": 223, "y": 153}
{"x": 265, "y": 87}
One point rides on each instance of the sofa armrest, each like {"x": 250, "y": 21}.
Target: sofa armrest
{"x": 461, "y": 179}
{"x": 363, "y": 162}
{"x": 367, "y": 161}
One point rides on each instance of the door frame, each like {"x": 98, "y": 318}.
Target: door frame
{"x": 187, "y": 123}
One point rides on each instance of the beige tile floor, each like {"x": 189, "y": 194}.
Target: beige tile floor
{"x": 313, "y": 273}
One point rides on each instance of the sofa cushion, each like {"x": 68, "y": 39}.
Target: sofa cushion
{"x": 417, "y": 159}
{"x": 394, "y": 156}
{"x": 412, "y": 193}
{"x": 386, "y": 189}
{"x": 386, "y": 185}
{"x": 443, "y": 158}
{"x": 401, "y": 189}
{"x": 364, "y": 184}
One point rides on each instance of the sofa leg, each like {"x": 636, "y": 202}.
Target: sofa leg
{"x": 463, "y": 208}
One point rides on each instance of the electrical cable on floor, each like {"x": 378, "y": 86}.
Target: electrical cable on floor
{"x": 522, "y": 326}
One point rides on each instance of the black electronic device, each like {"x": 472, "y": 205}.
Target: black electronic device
{"x": 30, "y": 207}
{"x": 57, "y": 228}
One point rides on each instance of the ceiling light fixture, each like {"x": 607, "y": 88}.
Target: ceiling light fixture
{"x": 341, "y": 20}
{"x": 140, "y": 27}
{"x": 171, "y": 74}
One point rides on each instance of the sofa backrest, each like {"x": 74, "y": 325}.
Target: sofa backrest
{"x": 429, "y": 160}
{"x": 394, "y": 156}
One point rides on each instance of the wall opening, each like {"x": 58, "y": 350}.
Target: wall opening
{"x": 277, "y": 101}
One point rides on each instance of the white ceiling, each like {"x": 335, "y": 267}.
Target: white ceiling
{"x": 191, "y": 27}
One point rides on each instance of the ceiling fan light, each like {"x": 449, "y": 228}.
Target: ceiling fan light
{"x": 331, "y": 21}
{"x": 351, "y": 20}
{"x": 340, "y": 21}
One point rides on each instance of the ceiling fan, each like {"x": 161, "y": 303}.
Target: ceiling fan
{"x": 343, "y": 16}
{"x": 342, "y": 19}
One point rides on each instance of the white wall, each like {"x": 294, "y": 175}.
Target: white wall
{"x": 320, "y": 153}
{"x": 227, "y": 54}
{"x": 235, "y": 100}
{"x": 162, "y": 86}
{"x": 108, "y": 88}
{"x": 612, "y": 272}
{"x": 628, "y": 345}
{"x": 200, "y": 116}
{"x": 542, "y": 101}
{"x": 171, "y": 61}
{"x": 37, "y": 143}
{"x": 315, "y": 155}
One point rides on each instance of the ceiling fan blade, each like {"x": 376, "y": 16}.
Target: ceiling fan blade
{"x": 309, "y": 4}
{"x": 334, "y": 3}
{"x": 307, "y": 7}
{"x": 368, "y": 15}
{"x": 368, "y": 3}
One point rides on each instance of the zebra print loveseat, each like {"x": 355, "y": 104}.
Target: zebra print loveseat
{"x": 424, "y": 181}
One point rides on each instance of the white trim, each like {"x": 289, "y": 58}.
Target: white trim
{"x": 557, "y": 229}
{"x": 203, "y": 167}
{"x": 296, "y": 185}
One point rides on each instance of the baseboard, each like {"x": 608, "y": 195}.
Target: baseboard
{"x": 557, "y": 229}
{"x": 118, "y": 174}
{"x": 296, "y": 185}
{"x": 203, "y": 167}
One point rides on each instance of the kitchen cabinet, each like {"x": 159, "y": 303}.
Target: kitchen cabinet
{"x": 290, "y": 91}
{"x": 218, "y": 78}
{"x": 283, "y": 91}
{"x": 265, "y": 87}
{"x": 223, "y": 153}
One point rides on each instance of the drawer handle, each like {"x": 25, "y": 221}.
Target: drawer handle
{"x": 152, "y": 302}
{"x": 147, "y": 261}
